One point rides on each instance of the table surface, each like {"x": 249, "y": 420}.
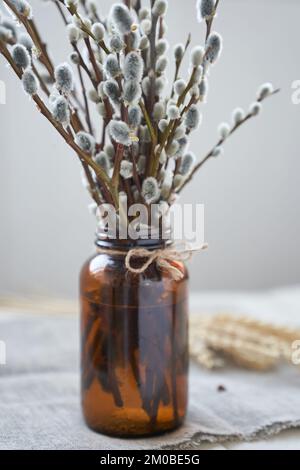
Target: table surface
{"x": 205, "y": 302}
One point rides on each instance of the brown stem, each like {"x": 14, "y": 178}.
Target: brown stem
{"x": 210, "y": 21}
{"x": 100, "y": 173}
{"x": 152, "y": 40}
{"x": 84, "y": 66}
{"x": 93, "y": 60}
{"x": 35, "y": 36}
{"x": 61, "y": 12}
{"x": 135, "y": 173}
{"x": 221, "y": 142}
{"x": 116, "y": 172}
{"x": 42, "y": 83}
{"x": 179, "y": 62}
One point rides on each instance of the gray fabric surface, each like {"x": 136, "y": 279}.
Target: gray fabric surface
{"x": 39, "y": 395}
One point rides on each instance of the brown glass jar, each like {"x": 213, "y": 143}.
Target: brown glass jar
{"x": 134, "y": 344}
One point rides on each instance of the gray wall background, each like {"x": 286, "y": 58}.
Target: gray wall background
{"x": 251, "y": 195}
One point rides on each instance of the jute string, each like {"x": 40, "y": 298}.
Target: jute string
{"x": 162, "y": 256}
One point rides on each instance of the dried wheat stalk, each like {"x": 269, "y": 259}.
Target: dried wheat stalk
{"x": 247, "y": 342}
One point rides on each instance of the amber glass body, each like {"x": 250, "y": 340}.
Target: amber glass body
{"x": 134, "y": 346}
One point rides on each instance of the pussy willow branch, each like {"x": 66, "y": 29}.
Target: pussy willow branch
{"x": 34, "y": 34}
{"x": 84, "y": 158}
{"x": 93, "y": 60}
{"x": 221, "y": 142}
{"x": 155, "y": 160}
{"x": 179, "y": 62}
{"x": 73, "y": 11}
{"x": 148, "y": 122}
{"x": 209, "y": 22}
{"x": 41, "y": 80}
{"x": 118, "y": 159}
{"x": 153, "y": 55}
{"x": 60, "y": 10}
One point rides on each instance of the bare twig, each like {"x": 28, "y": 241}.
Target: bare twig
{"x": 219, "y": 143}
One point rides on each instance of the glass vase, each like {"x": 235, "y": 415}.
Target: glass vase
{"x": 134, "y": 343}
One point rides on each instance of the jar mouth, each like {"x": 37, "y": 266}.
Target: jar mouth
{"x": 147, "y": 239}
{"x": 151, "y": 244}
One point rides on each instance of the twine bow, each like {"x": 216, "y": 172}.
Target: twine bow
{"x": 162, "y": 256}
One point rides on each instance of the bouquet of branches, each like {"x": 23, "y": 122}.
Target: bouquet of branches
{"x": 141, "y": 153}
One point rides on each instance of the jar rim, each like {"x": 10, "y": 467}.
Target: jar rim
{"x": 148, "y": 239}
{"x": 128, "y": 244}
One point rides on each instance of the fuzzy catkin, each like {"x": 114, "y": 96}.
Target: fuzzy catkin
{"x": 178, "y": 52}
{"x": 98, "y": 31}
{"x": 224, "y": 130}
{"x": 74, "y": 58}
{"x": 192, "y": 118}
{"x": 160, "y": 83}
{"x": 162, "y": 125}
{"x": 121, "y": 17}
{"x": 179, "y": 86}
{"x": 264, "y": 91}
{"x": 187, "y": 164}
{"x": 9, "y": 25}
{"x": 64, "y": 78}
{"x": 109, "y": 149}
{"x": 144, "y": 13}
{"x": 213, "y": 47}
{"x": 197, "y": 55}
{"x": 111, "y": 90}
{"x": 238, "y": 115}
{"x": 146, "y": 85}
{"x": 205, "y": 9}
{"x": 150, "y": 190}
{"x": 26, "y": 41}
{"x": 111, "y": 66}
{"x": 172, "y": 148}
{"x": 133, "y": 67}
{"x": 183, "y": 145}
{"x": 144, "y": 43}
{"x": 179, "y": 132}
{"x": 93, "y": 96}
{"x": 173, "y": 112}
{"x": 141, "y": 164}
{"x": 116, "y": 44}
{"x": 120, "y": 132}
{"x": 161, "y": 64}
{"x": 134, "y": 116}
{"x": 217, "y": 151}
{"x": 86, "y": 142}
{"x": 126, "y": 169}
{"x": 158, "y": 111}
{"x": 161, "y": 47}
{"x": 160, "y": 7}
{"x": 203, "y": 88}
{"x": 73, "y": 33}
{"x": 23, "y": 7}
{"x": 132, "y": 92}
{"x": 255, "y": 108}
{"x": 20, "y": 56}
{"x": 60, "y": 110}
{"x": 30, "y": 82}
{"x": 102, "y": 160}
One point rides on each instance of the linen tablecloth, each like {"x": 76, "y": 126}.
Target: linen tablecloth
{"x": 39, "y": 384}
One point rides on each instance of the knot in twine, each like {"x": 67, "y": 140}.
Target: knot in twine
{"x": 162, "y": 256}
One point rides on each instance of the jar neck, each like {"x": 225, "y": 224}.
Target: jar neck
{"x": 103, "y": 240}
